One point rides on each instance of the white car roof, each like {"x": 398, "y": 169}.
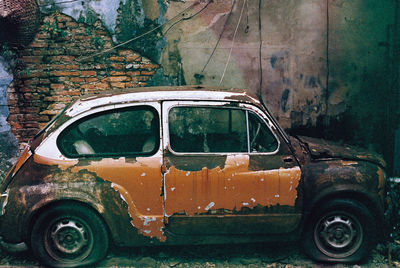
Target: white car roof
{"x": 149, "y": 94}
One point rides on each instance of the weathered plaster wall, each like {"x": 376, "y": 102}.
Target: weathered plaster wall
{"x": 326, "y": 65}
{"x": 292, "y": 53}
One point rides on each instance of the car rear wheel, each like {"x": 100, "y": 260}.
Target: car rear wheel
{"x": 68, "y": 236}
{"x": 340, "y": 230}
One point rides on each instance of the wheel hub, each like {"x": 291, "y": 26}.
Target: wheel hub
{"x": 338, "y": 231}
{"x": 338, "y": 235}
{"x": 69, "y": 236}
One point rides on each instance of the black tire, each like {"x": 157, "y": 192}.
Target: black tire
{"x": 341, "y": 230}
{"x": 69, "y": 235}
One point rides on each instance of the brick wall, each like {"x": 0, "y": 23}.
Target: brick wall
{"x": 54, "y": 73}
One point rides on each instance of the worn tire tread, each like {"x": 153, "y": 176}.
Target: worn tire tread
{"x": 99, "y": 229}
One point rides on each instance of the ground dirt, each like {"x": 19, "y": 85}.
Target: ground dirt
{"x": 277, "y": 255}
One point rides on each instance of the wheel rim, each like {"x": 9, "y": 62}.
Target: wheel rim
{"x": 69, "y": 239}
{"x": 338, "y": 235}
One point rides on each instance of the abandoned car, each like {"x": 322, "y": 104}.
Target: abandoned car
{"x": 162, "y": 166}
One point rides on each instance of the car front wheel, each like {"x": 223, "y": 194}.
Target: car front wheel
{"x": 68, "y": 236}
{"x": 340, "y": 230}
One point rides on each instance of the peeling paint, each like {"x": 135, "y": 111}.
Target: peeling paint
{"x": 142, "y": 194}
{"x": 209, "y": 206}
{"x": 217, "y": 187}
{"x": 105, "y": 10}
{"x": 62, "y": 164}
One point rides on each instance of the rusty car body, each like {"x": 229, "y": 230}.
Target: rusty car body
{"x": 186, "y": 165}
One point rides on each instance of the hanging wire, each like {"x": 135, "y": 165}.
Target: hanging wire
{"x": 144, "y": 34}
{"x": 247, "y": 18}
{"x": 259, "y": 51}
{"x": 327, "y": 62}
{"x": 188, "y": 18}
{"x": 233, "y": 42}
{"x": 60, "y": 2}
{"x": 220, "y": 36}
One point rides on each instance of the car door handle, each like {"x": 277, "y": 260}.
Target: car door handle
{"x": 288, "y": 159}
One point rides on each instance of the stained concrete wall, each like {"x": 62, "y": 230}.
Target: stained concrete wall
{"x": 327, "y": 65}
{"x": 293, "y": 43}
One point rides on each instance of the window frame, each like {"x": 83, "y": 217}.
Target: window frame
{"x": 98, "y": 112}
{"x": 219, "y": 105}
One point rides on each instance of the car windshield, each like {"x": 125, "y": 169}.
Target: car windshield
{"x": 276, "y": 125}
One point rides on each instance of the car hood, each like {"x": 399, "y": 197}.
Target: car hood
{"x": 322, "y": 149}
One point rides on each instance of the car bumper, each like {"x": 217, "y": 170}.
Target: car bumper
{"x": 13, "y": 247}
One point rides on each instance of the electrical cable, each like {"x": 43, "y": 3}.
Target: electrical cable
{"x": 187, "y": 18}
{"x": 140, "y": 36}
{"x": 233, "y": 42}
{"x": 247, "y": 18}
{"x": 61, "y": 2}
{"x": 220, "y": 36}
{"x": 259, "y": 51}
{"x": 327, "y": 62}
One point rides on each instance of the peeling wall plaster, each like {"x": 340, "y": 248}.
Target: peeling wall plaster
{"x": 5, "y": 79}
{"x": 8, "y": 142}
{"x": 105, "y": 10}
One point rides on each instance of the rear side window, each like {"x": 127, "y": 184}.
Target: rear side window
{"x": 133, "y": 131}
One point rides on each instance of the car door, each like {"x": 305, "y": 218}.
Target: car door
{"x": 226, "y": 171}
{"x": 121, "y": 144}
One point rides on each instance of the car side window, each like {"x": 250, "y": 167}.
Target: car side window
{"x": 218, "y": 130}
{"x": 207, "y": 130}
{"x": 260, "y": 136}
{"x": 117, "y": 132}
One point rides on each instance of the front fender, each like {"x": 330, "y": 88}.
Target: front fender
{"x": 360, "y": 180}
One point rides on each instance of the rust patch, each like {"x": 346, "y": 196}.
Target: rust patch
{"x": 320, "y": 148}
{"x": 62, "y": 164}
{"x": 381, "y": 176}
{"x": 195, "y": 163}
{"x": 232, "y": 188}
{"x": 24, "y": 156}
{"x": 139, "y": 185}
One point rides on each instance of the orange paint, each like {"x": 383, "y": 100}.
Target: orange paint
{"x": 140, "y": 185}
{"x": 192, "y": 192}
{"x": 232, "y": 188}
